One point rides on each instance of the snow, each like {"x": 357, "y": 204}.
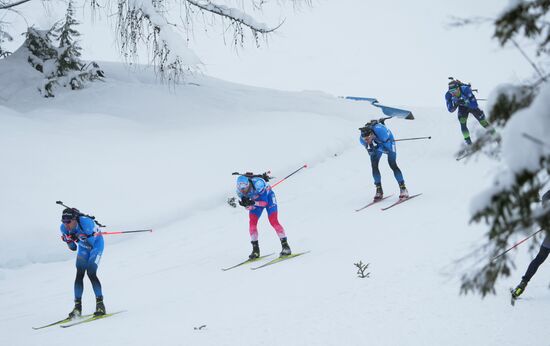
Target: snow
{"x": 521, "y": 136}
{"x": 520, "y": 152}
{"x": 137, "y": 154}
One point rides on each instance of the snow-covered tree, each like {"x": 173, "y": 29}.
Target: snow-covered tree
{"x": 522, "y": 113}
{"x": 69, "y": 50}
{"x": 60, "y": 64}
{"x": 42, "y": 56}
{"x": 71, "y": 69}
{"x": 164, "y": 27}
{"x": 4, "y": 36}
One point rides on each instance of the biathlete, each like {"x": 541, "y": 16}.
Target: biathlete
{"x": 379, "y": 140}
{"x": 82, "y": 230}
{"x": 256, "y": 195}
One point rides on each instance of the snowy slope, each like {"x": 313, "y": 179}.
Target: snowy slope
{"x": 138, "y": 155}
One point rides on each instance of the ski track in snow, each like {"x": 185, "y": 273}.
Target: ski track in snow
{"x": 172, "y": 172}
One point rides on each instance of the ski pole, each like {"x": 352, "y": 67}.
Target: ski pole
{"x": 124, "y": 232}
{"x": 412, "y": 139}
{"x": 515, "y": 245}
{"x": 535, "y": 139}
{"x": 288, "y": 176}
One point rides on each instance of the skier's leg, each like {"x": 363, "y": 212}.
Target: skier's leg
{"x": 253, "y": 217}
{"x": 273, "y": 213}
{"x": 480, "y": 116}
{"x": 374, "y": 160}
{"x": 532, "y": 269}
{"x": 274, "y": 221}
{"x": 535, "y": 263}
{"x": 392, "y": 161}
{"x": 93, "y": 263}
{"x": 463, "y": 119}
{"x": 81, "y": 265}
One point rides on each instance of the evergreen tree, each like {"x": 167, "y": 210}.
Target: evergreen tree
{"x": 512, "y": 205}
{"x": 60, "y": 65}
{"x": 69, "y": 49}
{"x": 71, "y": 69}
{"x": 43, "y": 57}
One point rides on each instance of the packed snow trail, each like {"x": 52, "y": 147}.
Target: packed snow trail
{"x": 175, "y": 176}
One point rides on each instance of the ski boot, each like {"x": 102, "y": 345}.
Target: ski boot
{"x": 99, "y": 307}
{"x": 77, "y": 310}
{"x": 403, "y": 193}
{"x": 379, "y": 193}
{"x": 286, "y": 249}
{"x": 468, "y": 141}
{"x": 255, "y": 250}
{"x": 519, "y": 289}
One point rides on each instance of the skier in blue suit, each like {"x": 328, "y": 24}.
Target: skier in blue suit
{"x": 256, "y": 195}
{"x": 460, "y": 96}
{"x": 378, "y": 140}
{"x": 81, "y": 230}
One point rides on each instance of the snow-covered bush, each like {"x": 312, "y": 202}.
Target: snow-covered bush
{"x": 4, "y": 36}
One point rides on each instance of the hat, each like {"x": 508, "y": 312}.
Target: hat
{"x": 69, "y": 214}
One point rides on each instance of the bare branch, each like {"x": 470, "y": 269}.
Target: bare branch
{"x": 5, "y": 7}
{"x": 234, "y": 15}
{"x": 456, "y": 22}
{"x": 535, "y": 67}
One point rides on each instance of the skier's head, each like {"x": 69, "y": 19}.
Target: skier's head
{"x": 546, "y": 199}
{"x": 454, "y": 88}
{"x": 243, "y": 184}
{"x": 69, "y": 217}
{"x": 367, "y": 132}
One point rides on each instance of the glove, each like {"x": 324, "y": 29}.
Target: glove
{"x": 458, "y": 102}
{"x": 373, "y": 150}
{"x": 265, "y": 177}
{"x": 69, "y": 238}
{"x": 246, "y": 202}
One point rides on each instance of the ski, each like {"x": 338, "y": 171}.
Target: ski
{"x": 373, "y": 202}
{"x": 401, "y": 201}
{"x": 280, "y": 259}
{"x": 89, "y": 319}
{"x": 66, "y": 320}
{"x": 247, "y": 261}
{"x": 464, "y": 154}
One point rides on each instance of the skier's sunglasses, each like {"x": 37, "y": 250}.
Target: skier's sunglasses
{"x": 366, "y": 134}
{"x": 455, "y": 92}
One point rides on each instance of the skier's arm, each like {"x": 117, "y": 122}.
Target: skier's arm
{"x": 451, "y": 105}
{"x": 383, "y": 137}
{"x": 88, "y": 230}
{"x": 469, "y": 97}
{"x": 363, "y": 143}
{"x": 68, "y": 238}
